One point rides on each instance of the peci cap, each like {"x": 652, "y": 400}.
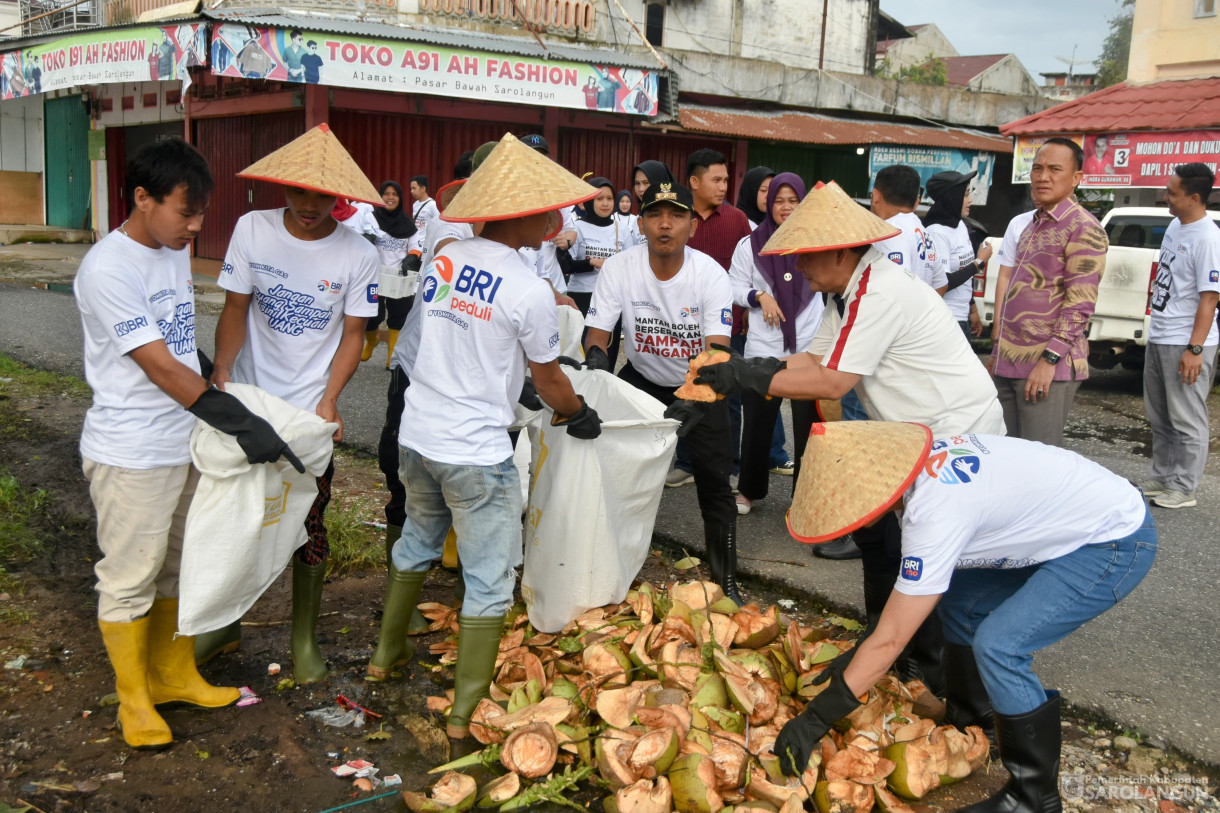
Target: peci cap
{"x": 674, "y": 194}
{"x": 318, "y": 162}
{"x": 828, "y": 219}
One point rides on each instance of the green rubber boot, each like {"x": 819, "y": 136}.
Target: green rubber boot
{"x": 307, "y": 661}
{"x": 478, "y": 645}
{"x": 418, "y": 625}
{"x": 394, "y": 647}
{"x": 217, "y": 642}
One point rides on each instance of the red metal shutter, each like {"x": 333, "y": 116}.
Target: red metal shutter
{"x": 225, "y": 143}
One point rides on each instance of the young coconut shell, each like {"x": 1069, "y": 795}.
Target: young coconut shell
{"x": 761, "y": 787}
{"x": 454, "y": 791}
{"x": 608, "y": 665}
{"x": 755, "y": 630}
{"x": 484, "y": 722}
{"x": 646, "y": 796}
{"x": 732, "y": 760}
{"x": 888, "y": 802}
{"x": 697, "y": 595}
{"x": 858, "y": 765}
{"x": 843, "y": 796}
{"x": 914, "y": 774}
{"x": 693, "y": 777}
{"x": 610, "y": 750}
{"x": 618, "y": 706}
{"x": 531, "y": 751}
{"x": 499, "y": 790}
{"x": 654, "y": 752}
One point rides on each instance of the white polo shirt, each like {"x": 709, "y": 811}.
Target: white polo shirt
{"x": 983, "y": 501}
{"x": 895, "y": 332}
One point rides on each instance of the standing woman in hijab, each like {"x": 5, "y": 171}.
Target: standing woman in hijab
{"x": 752, "y": 198}
{"x": 600, "y": 234}
{"x": 950, "y": 192}
{"x": 391, "y": 236}
{"x": 783, "y": 316}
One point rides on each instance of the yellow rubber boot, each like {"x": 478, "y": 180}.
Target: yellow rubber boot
{"x": 370, "y": 342}
{"x": 390, "y": 342}
{"x": 127, "y": 646}
{"x": 172, "y": 676}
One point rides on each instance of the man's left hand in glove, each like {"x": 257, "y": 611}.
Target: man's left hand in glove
{"x": 740, "y": 374}
{"x": 584, "y": 423}
{"x": 800, "y": 735}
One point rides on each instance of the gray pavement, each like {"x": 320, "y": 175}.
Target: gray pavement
{"x": 1149, "y": 664}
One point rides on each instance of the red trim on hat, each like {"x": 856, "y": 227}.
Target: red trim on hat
{"x": 852, "y": 311}
{"x": 330, "y": 192}
{"x": 868, "y": 242}
{"x": 877, "y": 512}
{"x": 515, "y": 215}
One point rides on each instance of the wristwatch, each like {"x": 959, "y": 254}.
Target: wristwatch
{"x": 1050, "y": 356}
{"x": 1197, "y": 349}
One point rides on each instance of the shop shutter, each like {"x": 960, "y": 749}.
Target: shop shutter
{"x": 69, "y": 180}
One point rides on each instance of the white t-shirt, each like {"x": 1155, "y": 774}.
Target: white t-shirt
{"x": 130, "y": 295}
{"x": 483, "y": 314}
{"x": 954, "y": 245}
{"x": 545, "y": 259}
{"x": 915, "y": 364}
{"x": 664, "y": 323}
{"x": 914, "y": 250}
{"x": 424, "y": 212}
{"x": 436, "y": 231}
{"x": 1000, "y": 503}
{"x": 1007, "y": 254}
{"x": 763, "y": 339}
{"x": 1190, "y": 265}
{"x": 595, "y": 242}
{"x": 302, "y": 291}
{"x": 362, "y": 222}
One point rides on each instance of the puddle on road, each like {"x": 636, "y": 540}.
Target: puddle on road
{"x": 53, "y": 287}
{"x": 1140, "y": 439}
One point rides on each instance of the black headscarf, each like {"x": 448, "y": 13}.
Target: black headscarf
{"x": 747, "y": 197}
{"x": 656, "y": 171}
{"x": 590, "y": 216}
{"x": 396, "y": 223}
{"x": 946, "y": 208}
{"x": 618, "y": 202}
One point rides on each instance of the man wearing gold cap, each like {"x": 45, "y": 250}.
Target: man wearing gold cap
{"x": 888, "y": 335}
{"x": 483, "y": 316}
{"x": 299, "y": 291}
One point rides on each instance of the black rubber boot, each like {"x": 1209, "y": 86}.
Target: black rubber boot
{"x": 721, "y": 543}
{"x": 921, "y": 659}
{"x": 966, "y": 701}
{"x": 1029, "y": 749}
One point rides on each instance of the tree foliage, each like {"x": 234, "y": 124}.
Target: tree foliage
{"x": 933, "y": 71}
{"x": 1112, "y": 63}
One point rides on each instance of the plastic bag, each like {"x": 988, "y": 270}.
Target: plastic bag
{"x": 593, "y": 503}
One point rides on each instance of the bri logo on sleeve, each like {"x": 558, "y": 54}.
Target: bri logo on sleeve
{"x": 912, "y": 568}
{"x": 726, "y": 316}
{"x": 1213, "y": 276}
{"x": 130, "y": 326}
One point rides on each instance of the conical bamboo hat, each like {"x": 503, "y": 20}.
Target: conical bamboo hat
{"x": 851, "y": 472}
{"x": 828, "y": 219}
{"x": 515, "y": 181}
{"x": 318, "y": 162}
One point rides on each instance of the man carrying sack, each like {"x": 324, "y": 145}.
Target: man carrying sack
{"x": 482, "y": 316}
{"x": 299, "y": 291}
{"x": 137, "y": 305}
{"x": 1017, "y": 544}
{"x": 888, "y": 335}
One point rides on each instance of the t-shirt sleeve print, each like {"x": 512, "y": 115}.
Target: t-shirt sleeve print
{"x": 605, "y": 307}
{"x": 717, "y": 307}
{"x": 538, "y": 326}
{"x": 361, "y": 296}
{"x": 236, "y": 274}
{"x": 122, "y": 311}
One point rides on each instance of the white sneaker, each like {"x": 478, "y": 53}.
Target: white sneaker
{"x": 787, "y": 469}
{"x": 1153, "y": 488}
{"x": 744, "y": 504}
{"x": 1174, "y": 499}
{"x": 678, "y": 477}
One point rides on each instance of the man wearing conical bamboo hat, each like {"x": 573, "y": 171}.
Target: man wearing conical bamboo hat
{"x": 889, "y": 336}
{"x": 1013, "y": 544}
{"x": 299, "y": 291}
{"x": 483, "y": 316}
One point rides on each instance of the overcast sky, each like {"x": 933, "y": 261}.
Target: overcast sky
{"x": 1036, "y": 31}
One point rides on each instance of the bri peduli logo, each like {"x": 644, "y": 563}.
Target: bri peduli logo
{"x": 436, "y": 283}
{"x": 333, "y": 287}
{"x": 912, "y": 568}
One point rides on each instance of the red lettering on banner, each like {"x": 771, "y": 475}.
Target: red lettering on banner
{"x": 385, "y": 57}
{"x": 333, "y": 47}
{"x": 455, "y": 65}
{"x": 366, "y": 54}
{"x": 471, "y": 66}
{"x": 408, "y": 59}
{"x": 91, "y": 53}
{"x": 349, "y": 52}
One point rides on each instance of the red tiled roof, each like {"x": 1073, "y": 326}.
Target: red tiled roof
{"x": 961, "y": 69}
{"x": 808, "y": 128}
{"x": 1184, "y": 104}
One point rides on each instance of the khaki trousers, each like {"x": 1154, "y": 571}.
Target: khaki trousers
{"x": 141, "y": 515}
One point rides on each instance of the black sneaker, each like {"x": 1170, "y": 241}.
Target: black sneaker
{"x": 842, "y": 548}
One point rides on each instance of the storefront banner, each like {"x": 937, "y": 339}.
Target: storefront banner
{"x": 292, "y": 55}
{"x": 1145, "y": 159}
{"x": 126, "y": 55}
{"x": 928, "y": 161}
{"x": 1024, "y": 150}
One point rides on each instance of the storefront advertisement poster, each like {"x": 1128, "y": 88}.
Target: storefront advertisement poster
{"x": 928, "y": 161}
{"x": 294, "y": 55}
{"x": 1025, "y": 148}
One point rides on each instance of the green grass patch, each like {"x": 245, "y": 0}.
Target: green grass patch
{"x": 353, "y": 544}
{"x": 16, "y": 379}
{"x": 19, "y": 540}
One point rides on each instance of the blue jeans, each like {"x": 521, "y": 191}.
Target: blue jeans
{"x": 853, "y": 410}
{"x": 1008, "y": 615}
{"x": 483, "y": 504}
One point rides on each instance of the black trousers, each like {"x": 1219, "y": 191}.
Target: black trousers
{"x": 758, "y": 417}
{"x": 391, "y": 311}
{"x": 583, "y": 300}
{"x": 387, "y": 448}
{"x": 710, "y": 450}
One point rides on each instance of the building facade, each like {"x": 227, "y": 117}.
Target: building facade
{"x": 1174, "y": 39}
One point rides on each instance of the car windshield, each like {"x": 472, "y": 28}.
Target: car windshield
{"x": 1139, "y": 231}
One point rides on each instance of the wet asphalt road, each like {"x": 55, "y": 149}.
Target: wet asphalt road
{"x": 1149, "y": 664}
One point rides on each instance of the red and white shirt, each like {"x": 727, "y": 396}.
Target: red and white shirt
{"x": 897, "y": 334}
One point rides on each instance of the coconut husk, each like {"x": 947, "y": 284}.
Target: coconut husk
{"x": 530, "y": 751}
{"x": 690, "y": 391}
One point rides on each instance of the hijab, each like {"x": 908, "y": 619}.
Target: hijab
{"x": 656, "y": 172}
{"x": 618, "y": 202}
{"x": 590, "y": 216}
{"x": 747, "y": 197}
{"x": 792, "y": 292}
{"x": 946, "y": 208}
{"x": 395, "y": 223}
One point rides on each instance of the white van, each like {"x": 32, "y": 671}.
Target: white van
{"x": 1118, "y": 331}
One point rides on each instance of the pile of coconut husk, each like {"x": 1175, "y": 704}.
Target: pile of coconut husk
{"x": 674, "y": 700}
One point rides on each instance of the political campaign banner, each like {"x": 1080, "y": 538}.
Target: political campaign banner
{"x": 1026, "y": 147}
{"x": 1145, "y": 159}
{"x": 928, "y": 161}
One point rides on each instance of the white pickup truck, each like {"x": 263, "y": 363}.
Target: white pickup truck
{"x": 1118, "y": 331}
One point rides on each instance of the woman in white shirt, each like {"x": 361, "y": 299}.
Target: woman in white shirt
{"x": 783, "y": 316}
{"x": 600, "y": 234}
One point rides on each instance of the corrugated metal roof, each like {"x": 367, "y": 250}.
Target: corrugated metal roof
{"x": 809, "y": 128}
{"x": 1184, "y": 104}
{"x": 960, "y": 70}
{"x": 448, "y": 37}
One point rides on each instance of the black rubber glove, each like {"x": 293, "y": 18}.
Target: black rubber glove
{"x": 740, "y": 374}
{"x": 800, "y": 735}
{"x": 529, "y": 396}
{"x": 584, "y": 424}
{"x": 688, "y": 412}
{"x": 255, "y": 436}
{"x": 596, "y": 359}
{"x": 570, "y": 362}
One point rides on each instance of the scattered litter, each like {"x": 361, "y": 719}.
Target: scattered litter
{"x": 332, "y": 754}
{"x": 363, "y": 784}
{"x": 5, "y": 380}
{"x": 393, "y": 781}
{"x": 339, "y": 718}
{"x": 348, "y": 704}
{"x": 380, "y": 734}
{"x": 786, "y": 603}
{"x": 87, "y": 786}
{"x": 248, "y": 697}
{"x": 113, "y": 777}
{"x": 354, "y": 767}
{"x": 86, "y": 713}
{"x": 273, "y": 668}
{"x": 16, "y": 663}
{"x": 370, "y": 523}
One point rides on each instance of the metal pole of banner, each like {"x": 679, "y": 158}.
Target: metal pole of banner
{"x": 45, "y": 14}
